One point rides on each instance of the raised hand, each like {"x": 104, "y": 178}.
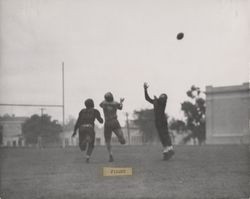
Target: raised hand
{"x": 73, "y": 135}
{"x": 122, "y": 100}
{"x": 145, "y": 85}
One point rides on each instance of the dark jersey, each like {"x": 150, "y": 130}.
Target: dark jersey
{"x": 159, "y": 110}
{"x": 88, "y": 116}
{"x": 110, "y": 109}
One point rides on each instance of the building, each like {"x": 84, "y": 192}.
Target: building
{"x": 227, "y": 114}
{"x": 11, "y": 131}
{"x": 67, "y": 140}
{"x": 132, "y": 135}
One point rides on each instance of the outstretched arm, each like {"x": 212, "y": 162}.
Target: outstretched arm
{"x": 76, "y": 125}
{"x": 120, "y": 105}
{"x": 98, "y": 117}
{"x": 146, "y": 94}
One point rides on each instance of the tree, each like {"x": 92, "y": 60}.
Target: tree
{"x": 195, "y": 115}
{"x": 178, "y": 125}
{"x": 7, "y": 116}
{"x": 145, "y": 121}
{"x": 1, "y": 135}
{"x": 41, "y": 127}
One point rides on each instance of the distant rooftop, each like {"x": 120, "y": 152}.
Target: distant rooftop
{"x": 233, "y": 88}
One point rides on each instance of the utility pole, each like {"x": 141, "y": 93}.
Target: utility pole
{"x": 39, "y": 138}
{"x": 128, "y": 130}
{"x": 63, "y": 102}
{"x": 42, "y": 109}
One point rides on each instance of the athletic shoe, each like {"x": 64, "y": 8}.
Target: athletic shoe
{"x": 111, "y": 159}
{"x": 168, "y": 155}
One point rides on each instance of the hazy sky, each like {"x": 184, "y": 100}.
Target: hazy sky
{"x": 116, "y": 45}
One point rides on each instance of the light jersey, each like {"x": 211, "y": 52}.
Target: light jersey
{"x": 109, "y": 109}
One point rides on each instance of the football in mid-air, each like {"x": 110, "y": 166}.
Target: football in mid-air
{"x": 180, "y": 36}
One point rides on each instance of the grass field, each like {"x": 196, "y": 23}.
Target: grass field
{"x": 194, "y": 172}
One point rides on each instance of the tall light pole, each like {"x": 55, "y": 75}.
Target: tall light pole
{"x": 128, "y": 130}
{"x": 39, "y": 138}
{"x": 63, "y": 102}
{"x": 42, "y": 109}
